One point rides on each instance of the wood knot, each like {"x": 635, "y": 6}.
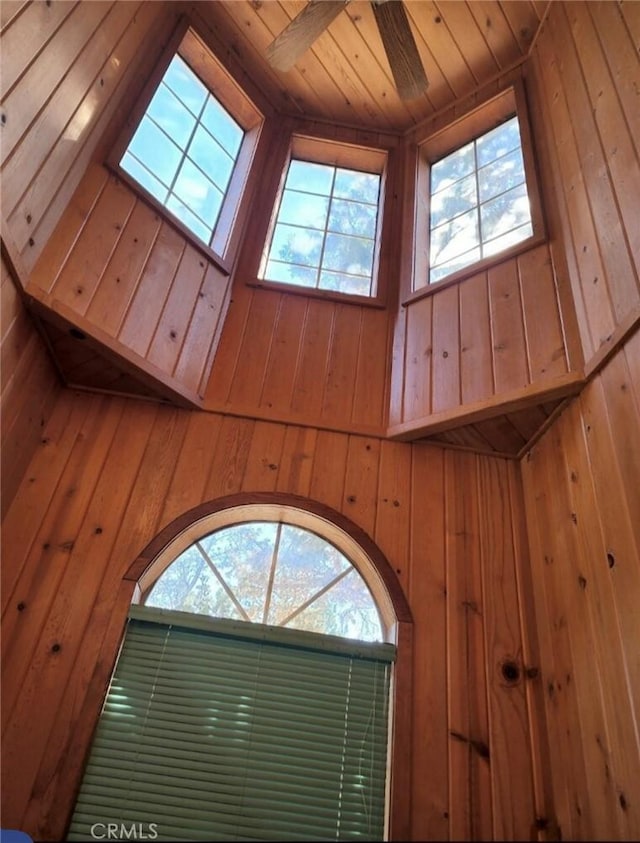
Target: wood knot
{"x": 21, "y": 606}
{"x": 611, "y": 560}
{"x": 351, "y": 498}
{"x": 56, "y": 648}
{"x": 510, "y": 672}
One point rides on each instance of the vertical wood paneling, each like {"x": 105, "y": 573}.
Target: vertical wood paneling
{"x": 152, "y": 290}
{"x": 581, "y": 483}
{"x": 78, "y": 280}
{"x": 173, "y": 324}
{"x": 427, "y": 592}
{"x": 47, "y": 163}
{"x": 114, "y": 472}
{"x": 45, "y": 74}
{"x": 340, "y": 375}
{"x": 298, "y": 360}
{"x": 313, "y": 357}
{"x": 601, "y": 160}
{"x": 470, "y": 802}
{"x": 476, "y": 359}
{"x": 511, "y": 774}
{"x": 100, "y": 639}
{"x": 546, "y": 352}
{"x": 30, "y": 32}
{"x": 585, "y": 69}
{"x": 28, "y": 388}
{"x": 282, "y": 362}
{"x": 507, "y": 329}
{"x": 417, "y": 359}
{"x": 494, "y": 333}
{"x": 126, "y": 274}
{"x": 371, "y": 392}
{"x": 445, "y": 358}
{"x": 122, "y": 273}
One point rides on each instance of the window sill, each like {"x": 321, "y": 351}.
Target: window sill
{"x": 312, "y": 292}
{"x": 216, "y": 259}
{"x": 475, "y": 269}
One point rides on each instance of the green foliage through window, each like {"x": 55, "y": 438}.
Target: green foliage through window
{"x": 270, "y": 573}
{"x": 325, "y": 231}
{"x": 479, "y": 201}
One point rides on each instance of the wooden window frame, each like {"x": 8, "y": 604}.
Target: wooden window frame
{"x": 193, "y": 49}
{"x": 491, "y": 113}
{"x": 352, "y": 156}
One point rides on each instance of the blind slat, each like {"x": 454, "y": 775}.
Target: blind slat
{"x": 214, "y": 735}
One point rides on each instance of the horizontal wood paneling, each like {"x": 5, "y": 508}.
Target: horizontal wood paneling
{"x": 582, "y": 482}
{"x": 113, "y": 472}
{"x": 496, "y": 332}
{"x": 584, "y": 77}
{"x": 67, "y": 70}
{"x": 29, "y": 387}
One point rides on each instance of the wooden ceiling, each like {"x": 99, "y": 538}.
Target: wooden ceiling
{"x": 345, "y": 76}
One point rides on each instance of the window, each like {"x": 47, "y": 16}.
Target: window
{"x": 272, "y": 573}
{"x": 482, "y": 195}
{"x": 216, "y": 730}
{"x": 219, "y": 728}
{"x": 190, "y": 146}
{"x": 479, "y": 201}
{"x": 185, "y": 149}
{"x": 324, "y": 233}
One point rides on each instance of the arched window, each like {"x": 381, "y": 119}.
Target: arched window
{"x": 251, "y": 695}
{"x": 270, "y": 572}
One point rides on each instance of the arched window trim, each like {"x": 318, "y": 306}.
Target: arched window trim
{"x": 400, "y": 737}
{"x": 284, "y": 514}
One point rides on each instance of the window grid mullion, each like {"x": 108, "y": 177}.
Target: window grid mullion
{"x": 184, "y": 151}
{"x": 326, "y": 227}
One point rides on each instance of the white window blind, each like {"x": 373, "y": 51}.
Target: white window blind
{"x": 221, "y": 730}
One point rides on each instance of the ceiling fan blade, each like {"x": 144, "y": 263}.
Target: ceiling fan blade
{"x": 400, "y": 47}
{"x": 285, "y": 50}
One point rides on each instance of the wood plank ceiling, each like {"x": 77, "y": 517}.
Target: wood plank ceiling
{"x": 345, "y": 76}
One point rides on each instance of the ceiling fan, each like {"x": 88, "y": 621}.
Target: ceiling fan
{"x": 397, "y": 39}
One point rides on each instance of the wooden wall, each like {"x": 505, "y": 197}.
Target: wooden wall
{"x": 582, "y": 491}
{"x": 583, "y": 79}
{"x": 582, "y": 479}
{"x": 29, "y": 387}
{"x": 114, "y": 269}
{"x": 67, "y": 69}
{"x": 297, "y": 357}
{"x": 504, "y": 331}
{"x": 492, "y": 334}
{"x": 450, "y": 523}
